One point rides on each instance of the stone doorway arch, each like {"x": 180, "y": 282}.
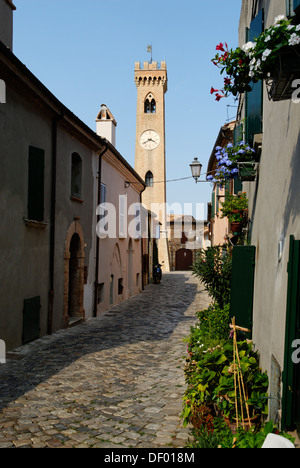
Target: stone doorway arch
{"x": 74, "y": 256}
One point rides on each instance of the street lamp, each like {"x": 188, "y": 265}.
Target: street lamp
{"x": 196, "y": 169}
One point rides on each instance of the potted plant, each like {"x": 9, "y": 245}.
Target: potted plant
{"x": 228, "y": 159}
{"x": 235, "y": 208}
{"x": 274, "y": 56}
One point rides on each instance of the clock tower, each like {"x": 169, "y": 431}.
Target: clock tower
{"x": 150, "y": 158}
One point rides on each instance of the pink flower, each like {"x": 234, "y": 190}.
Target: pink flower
{"x": 220, "y": 47}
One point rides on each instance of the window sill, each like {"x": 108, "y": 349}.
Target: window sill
{"x": 35, "y": 224}
{"x": 79, "y": 200}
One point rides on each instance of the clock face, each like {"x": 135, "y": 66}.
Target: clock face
{"x": 149, "y": 140}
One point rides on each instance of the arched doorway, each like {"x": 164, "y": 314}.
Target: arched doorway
{"x": 184, "y": 259}
{"x": 74, "y": 275}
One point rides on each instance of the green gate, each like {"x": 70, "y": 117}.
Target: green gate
{"x": 291, "y": 373}
{"x": 242, "y": 285}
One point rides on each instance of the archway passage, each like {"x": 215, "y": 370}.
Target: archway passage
{"x": 74, "y": 276}
{"x": 184, "y": 259}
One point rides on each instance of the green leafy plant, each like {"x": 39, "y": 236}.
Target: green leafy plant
{"x": 213, "y": 267}
{"x": 221, "y": 436}
{"x": 235, "y": 207}
{"x": 210, "y": 378}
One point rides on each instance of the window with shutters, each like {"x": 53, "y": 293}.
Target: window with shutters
{"x": 76, "y": 176}
{"x": 36, "y": 170}
{"x": 254, "y": 99}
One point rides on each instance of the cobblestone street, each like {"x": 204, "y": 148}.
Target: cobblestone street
{"x": 115, "y": 381}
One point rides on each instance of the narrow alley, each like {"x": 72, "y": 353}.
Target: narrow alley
{"x": 115, "y": 381}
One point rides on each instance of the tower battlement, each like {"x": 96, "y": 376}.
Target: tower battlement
{"x": 151, "y": 74}
{"x": 151, "y": 65}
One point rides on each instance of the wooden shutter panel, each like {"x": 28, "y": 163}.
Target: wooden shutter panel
{"x": 36, "y": 168}
{"x": 227, "y": 189}
{"x": 242, "y": 285}
{"x": 31, "y": 319}
{"x": 238, "y": 134}
{"x": 238, "y": 186}
{"x": 254, "y": 99}
{"x": 213, "y": 205}
{"x": 291, "y": 376}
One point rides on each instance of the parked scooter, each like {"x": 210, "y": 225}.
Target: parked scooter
{"x": 157, "y": 273}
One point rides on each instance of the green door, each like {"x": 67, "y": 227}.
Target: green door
{"x": 242, "y": 285}
{"x": 291, "y": 373}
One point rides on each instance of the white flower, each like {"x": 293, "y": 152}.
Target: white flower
{"x": 279, "y": 18}
{"x": 290, "y": 27}
{"x": 298, "y": 27}
{"x": 266, "y": 54}
{"x": 268, "y": 38}
{"x": 247, "y": 48}
{"x": 294, "y": 39}
{"x": 258, "y": 64}
{"x": 251, "y": 74}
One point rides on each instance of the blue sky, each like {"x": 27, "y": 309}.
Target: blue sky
{"x": 84, "y": 52}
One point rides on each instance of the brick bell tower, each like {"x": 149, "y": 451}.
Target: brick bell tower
{"x": 150, "y": 158}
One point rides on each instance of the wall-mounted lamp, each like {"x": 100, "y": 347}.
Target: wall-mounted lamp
{"x": 196, "y": 169}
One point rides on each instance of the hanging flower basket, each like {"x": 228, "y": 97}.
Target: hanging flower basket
{"x": 286, "y": 71}
{"x": 247, "y": 171}
{"x": 274, "y": 56}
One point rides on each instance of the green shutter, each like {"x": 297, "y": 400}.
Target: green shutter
{"x": 238, "y": 134}
{"x": 36, "y": 184}
{"x": 31, "y": 319}
{"x": 242, "y": 285}
{"x": 296, "y": 4}
{"x": 217, "y": 200}
{"x": 254, "y": 99}
{"x": 291, "y": 382}
{"x": 227, "y": 188}
{"x": 238, "y": 186}
{"x": 213, "y": 205}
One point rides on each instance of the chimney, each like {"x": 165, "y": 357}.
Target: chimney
{"x": 106, "y": 125}
{"x": 6, "y": 22}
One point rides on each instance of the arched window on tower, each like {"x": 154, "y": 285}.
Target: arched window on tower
{"x": 150, "y": 105}
{"x": 149, "y": 179}
{"x": 147, "y": 106}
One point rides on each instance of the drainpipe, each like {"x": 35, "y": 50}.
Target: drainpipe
{"x": 97, "y": 237}
{"x": 142, "y": 249}
{"x": 52, "y": 224}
